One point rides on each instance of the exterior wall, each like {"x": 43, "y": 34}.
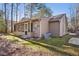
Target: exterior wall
{"x": 36, "y": 28}
{"x": 63, "y": 23}
{"x": 43, "y": 26}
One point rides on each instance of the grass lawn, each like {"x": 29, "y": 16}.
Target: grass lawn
{"x": 61, "y": 42}
{"x": 56, "y": 41}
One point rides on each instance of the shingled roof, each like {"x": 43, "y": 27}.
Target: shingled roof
{"x": 52, "y": 18}
{"x": 57, "y": 17}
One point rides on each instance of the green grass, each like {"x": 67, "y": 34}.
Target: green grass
{"x": 61, "y": 42}
{"x": 56, "y": 41}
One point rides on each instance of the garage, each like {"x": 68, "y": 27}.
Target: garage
{"x": 54, "y": 28}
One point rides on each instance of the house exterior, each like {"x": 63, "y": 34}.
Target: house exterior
{"x": 57, "y": 25}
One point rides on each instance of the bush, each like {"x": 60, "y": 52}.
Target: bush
{"x": 71, "y": 30}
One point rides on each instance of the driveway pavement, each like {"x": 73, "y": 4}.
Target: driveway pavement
{"x": 74, "y": 41}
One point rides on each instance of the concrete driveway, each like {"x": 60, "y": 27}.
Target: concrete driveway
{"x": 74, "y": 41}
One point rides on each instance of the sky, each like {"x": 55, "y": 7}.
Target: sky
{"x": 57, "y": 8}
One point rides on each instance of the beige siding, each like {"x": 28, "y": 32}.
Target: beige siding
{"x": 54, "y": 28}
{"x": 63, "y": 29}
{"x": 43, "y": 26}
{"x": 36, "y": 28}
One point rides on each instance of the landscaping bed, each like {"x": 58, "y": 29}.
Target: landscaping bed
{"x": 50, "y": 47}
{"x": 14, "y": 46}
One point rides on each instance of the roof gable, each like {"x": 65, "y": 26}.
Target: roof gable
{"x": 57, "y": 17}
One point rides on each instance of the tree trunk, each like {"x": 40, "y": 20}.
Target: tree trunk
{"x": 30, "y": 16}
{"x": 16, "y": 12}
{"x": 12, "y": 17}
{"x": 24, "y": 9}
{"x": 5, "y": 19}
{"x": 30, "y": 10}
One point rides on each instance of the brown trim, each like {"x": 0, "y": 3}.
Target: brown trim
{"x": 53, "y": 21}
{"x": 28, "y": 21}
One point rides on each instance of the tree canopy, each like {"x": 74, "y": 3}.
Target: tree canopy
{"x": 37, "y": 10}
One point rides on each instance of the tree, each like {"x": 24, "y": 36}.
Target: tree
{"x": 5, "y": 18}
{"x": 74, "y": 15}
{"x": 17, "y": 9}
{"x": 38, "y": 8}
{"x": 77, "y": 14}
{"x": 12, "y": 17}
{"x": 44, "y": 11}
{"x": 2, "y": 22}
{"x": 29, "y": 10}
{"x": 16, "y": 12}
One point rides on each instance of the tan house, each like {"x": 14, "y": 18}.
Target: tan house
{"x": 57, "y": 25}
